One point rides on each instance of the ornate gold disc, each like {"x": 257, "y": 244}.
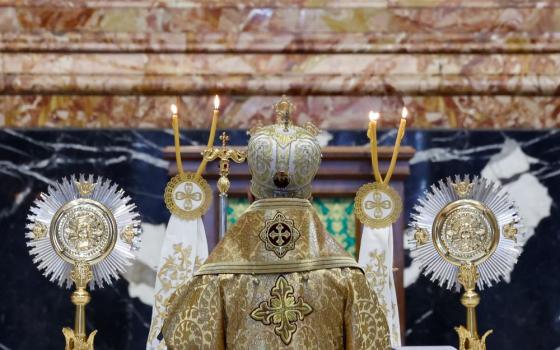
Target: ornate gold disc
{"x": 188, "y": 196}
{"x": 465, "y": 231}
{"x": 377, "y": 205}
{"x": 83, "y": 230}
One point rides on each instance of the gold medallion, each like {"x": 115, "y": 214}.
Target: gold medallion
{"x": 465, "y": 231}
{"x": 279, "y": 235}
{"x": 377, "y": 205}
{"x": 83, "y": 230}
{"x": 188, "y": 196}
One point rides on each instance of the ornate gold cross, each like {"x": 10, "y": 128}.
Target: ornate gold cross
{"x": 282, "y": 310}
{"x": 225, "y": 154}
{"x": 378, "y": 204}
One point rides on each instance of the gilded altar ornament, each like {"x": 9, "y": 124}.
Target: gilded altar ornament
{"x": 510, "y": 231}
{"x": 88, "y": 240}
{"x": 187, "y": 196}
{"x": 377, "y": 205}
{"x": 421, "y": 236}
{"x": 282, "y": 310}
{"x": 224, "y": 154}
{"x": 279, "y": 235}
{"x": 472, "y": 243}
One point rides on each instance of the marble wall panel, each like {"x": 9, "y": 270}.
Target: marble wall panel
{"x": 451, "y": 54}
{"x": 297, "y": 25}
{"x": 327, "y": 112}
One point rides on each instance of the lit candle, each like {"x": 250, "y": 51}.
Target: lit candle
{"x": 372, "y": 134}
{"x": 400, "y": 135}
{"x": 214, "y": 121}
{"x": 175, "y": 123}
{"x": 212, "y": 135}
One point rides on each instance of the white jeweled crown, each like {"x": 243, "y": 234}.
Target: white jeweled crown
{"x": 283, "y": 158}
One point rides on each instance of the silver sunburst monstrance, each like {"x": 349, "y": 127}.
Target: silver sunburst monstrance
{"x": 465, "y": 234}
{"x": 83, "y": 230}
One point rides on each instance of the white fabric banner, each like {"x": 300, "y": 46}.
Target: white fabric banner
{"x": 376, "y": 258}
{"x": 184, "y": 249}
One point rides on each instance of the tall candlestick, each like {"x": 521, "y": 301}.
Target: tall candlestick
{"x": 175, "y": 123}
{"x": 372, "y": 134}
{"x": 212, "y": 135}
{"x": 400, "y": 135}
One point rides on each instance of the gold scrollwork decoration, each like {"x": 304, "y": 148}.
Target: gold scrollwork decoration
{"x": 85, "y": 188}
{"x": 377, "y": 205}
{"x": 128, "y": 234}
{"x": 188, "y": 196}
{"x": 39, "y": 230}
{"x": 510, "y": 231}
{"x": 421, "y": 236}
{"x": 282, "y": 310}
{"x": 463, "y": 188}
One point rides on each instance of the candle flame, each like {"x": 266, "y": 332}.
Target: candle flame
{"x": 404, "y": 113}
{"x": 173, "y": 109}
{"x": 373, "y": 116}
{"x": 216, "y": 102}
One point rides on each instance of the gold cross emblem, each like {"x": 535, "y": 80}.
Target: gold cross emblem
{"x": 279, "y": 235}
{"x": 282, "y": 310}
{"x": 378, "y": 204}
{"x": 188, "y": 196}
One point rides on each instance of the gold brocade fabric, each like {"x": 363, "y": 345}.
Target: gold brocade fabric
{"x": 306, "y": 245}
{"x": 277, "y": 281}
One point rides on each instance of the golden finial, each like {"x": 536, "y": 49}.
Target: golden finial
{"x": 283, "y": 110}
{"x": 463, "y": 188}
{"x": 85, "y": 188}
{"x": 225, "y": 139}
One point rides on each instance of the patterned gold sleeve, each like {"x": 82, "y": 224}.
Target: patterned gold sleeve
{"x": 195, "y": 316}
{"x": 365, "y": 324}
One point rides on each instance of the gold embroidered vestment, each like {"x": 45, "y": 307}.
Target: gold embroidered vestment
{"x": 277, "y": 280}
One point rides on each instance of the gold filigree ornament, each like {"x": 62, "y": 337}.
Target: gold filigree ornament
{"x": 377, "y": 205}
{"x": 473, "y": 225}
{"x": 279, "y": 235}
{"x": 188, "y": 196}
{"x": 282, "y": 310}
{"x": 88, "y": 239}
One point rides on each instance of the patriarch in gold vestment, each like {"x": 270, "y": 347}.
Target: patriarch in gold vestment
{"x": 278, "y": 280}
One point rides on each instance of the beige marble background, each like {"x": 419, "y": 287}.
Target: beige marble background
{"x": 120, "y": 64}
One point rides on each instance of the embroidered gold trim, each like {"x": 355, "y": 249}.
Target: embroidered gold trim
{"x": 278, "y": 267}
{"x": 280, "y": 202}
{"x": 378, "y": 219}
{"x": 188, "y": 211}
{"x": 282, "y": 310}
